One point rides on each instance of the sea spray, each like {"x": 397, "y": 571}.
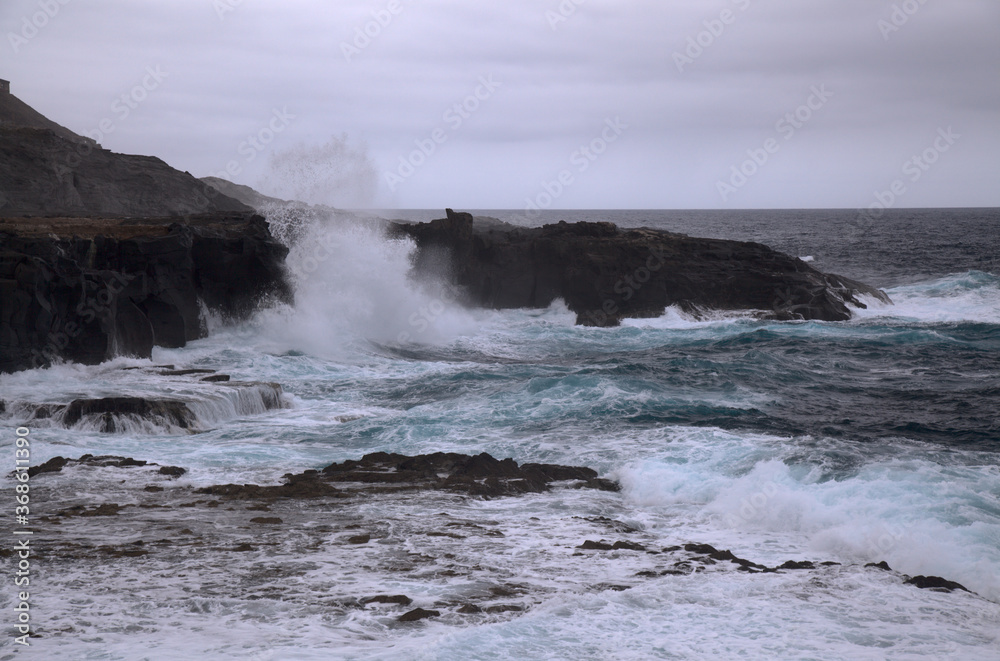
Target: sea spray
{"x": 354, "y": 283}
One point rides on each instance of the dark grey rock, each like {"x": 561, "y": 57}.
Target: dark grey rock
{"x": 606, "y": 274}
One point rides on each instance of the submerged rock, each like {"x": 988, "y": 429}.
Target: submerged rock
{"x": 479, "y": 475}
{"x": 162, "y": 411}
{"x": 125, "y": 414}
{"x": 56, "y": 464}
{"x": 418, "y": 614}
{"x": 935, "y": 583}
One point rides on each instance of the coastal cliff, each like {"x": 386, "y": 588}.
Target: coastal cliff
{"x": 105, "y": 254}
{"x": 605, "y": 273}
{"x": 46, "y": 170}
{"x": 89, "y": 289}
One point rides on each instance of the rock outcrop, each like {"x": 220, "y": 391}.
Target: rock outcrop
{"x": 383, "y": 472}
{"x": 105, "y": 254}
{"x": 46, "y": 169}
{"x": 89, "y": 289}
{"x": 605, "y": 273}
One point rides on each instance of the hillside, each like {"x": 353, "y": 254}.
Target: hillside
{"x": 47, "y": 170}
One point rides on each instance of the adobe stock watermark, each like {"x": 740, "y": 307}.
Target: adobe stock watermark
{"x": 753, "y": 507}
{"x": 626, "y": 287}
{"x": 88, "y": 310}
{"x": 122, "y": 107}
{"x": 454, "y": 117}
{"x": 22, "y": 536}
{"x": 714, "y": 28}
{"x": 912, "y": 170}
{"x": 898, "y": 17}
{"x": 581, "y": 159}
{"x": 33, "y": 24}
{"x": 365, "y": 34}
{"x": 786, "y": 127}
{"x": 129, "y": 101}
{"x": 889, "y": 535}
{"x": 424, "y": 318}
{"x": 223, "y": 7}
{"x": 563, "y": 12}
{"x": 257, "y": 142}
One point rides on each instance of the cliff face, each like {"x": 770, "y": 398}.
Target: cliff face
{"x": 606, "y": 274}
{"x": 94, "y": 262}
{"x": 87, "y": 290}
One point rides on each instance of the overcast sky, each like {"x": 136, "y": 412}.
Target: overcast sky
{"x": 670, "y": 99}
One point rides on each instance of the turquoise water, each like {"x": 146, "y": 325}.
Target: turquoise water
{"x": 869, "y": 440}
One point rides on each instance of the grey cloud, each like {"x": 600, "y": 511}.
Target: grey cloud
{"x": 609, "y": 58}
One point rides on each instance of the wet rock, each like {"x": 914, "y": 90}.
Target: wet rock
{"x": 479, "y": 475}
{"x": 124, "y": 552}
{"x": 167, "y": 411}
{"x": 601, "y": 484}
{"x": 53, "y": 465}
{"x": 186, "y": 372}
{"x": 935, "y": 583}
{"x": 243, "y": 548}
{"x": 470, "y": 609}
{"x": 627, "y": 546}
{"x": 435, "y": 533}
{"x": 418, "y": 614}
{"x": 400, "y": 599}
{"x": 506, "y": 590}
{"x": 267, "y": 520}
{"x": 216, "y": 378}
{"x": 106, "y": 509}
{"x": 704, "y": 549}
{"x": 305, "y": 485}
{"x": 172, "y": 471}
{"x": 359, "y": 539}
{"x": 792, "y": 564}
{"x": 149, "y": 275}
{"x": 591, "y": 545}
{"x": 589, "y": 265}
{"x": 884, "y": 566}
{"x": 504, "y": 608}
{"x": 56, "y": 464}
{"x": 613, "y": 524}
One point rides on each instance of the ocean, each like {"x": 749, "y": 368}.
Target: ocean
{"x": 856, "y": 442}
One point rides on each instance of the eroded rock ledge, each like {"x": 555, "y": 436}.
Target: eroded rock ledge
{"x": 605, "y": 273}
{"x": 480, "y": 475}
{"x": 90, "y": 289}
{"x": 226, "y": 533}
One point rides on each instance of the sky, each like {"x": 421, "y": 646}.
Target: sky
{"x": 561, "y": 104}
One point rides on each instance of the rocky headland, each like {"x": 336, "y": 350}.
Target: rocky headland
{"x": 605, "y": 273}
{"x": 105, "y": 254}
{"x": 90, "y": 289}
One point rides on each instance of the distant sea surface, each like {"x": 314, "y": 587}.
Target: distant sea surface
{"x": 876, "y": 439}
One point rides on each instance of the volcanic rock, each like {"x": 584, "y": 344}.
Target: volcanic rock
{"x": 605, "y": 273}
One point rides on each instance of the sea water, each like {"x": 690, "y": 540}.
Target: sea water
{"x": 872, "y": 440}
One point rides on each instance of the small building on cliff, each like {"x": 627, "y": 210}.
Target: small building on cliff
{"x": 4, "y": 86}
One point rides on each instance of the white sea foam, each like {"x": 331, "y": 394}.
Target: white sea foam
{"x": 352, "y": 283}
{"x": 965, "y": 297}
{"x": 922, "y": 515}
{"x": 767, "y": 498}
